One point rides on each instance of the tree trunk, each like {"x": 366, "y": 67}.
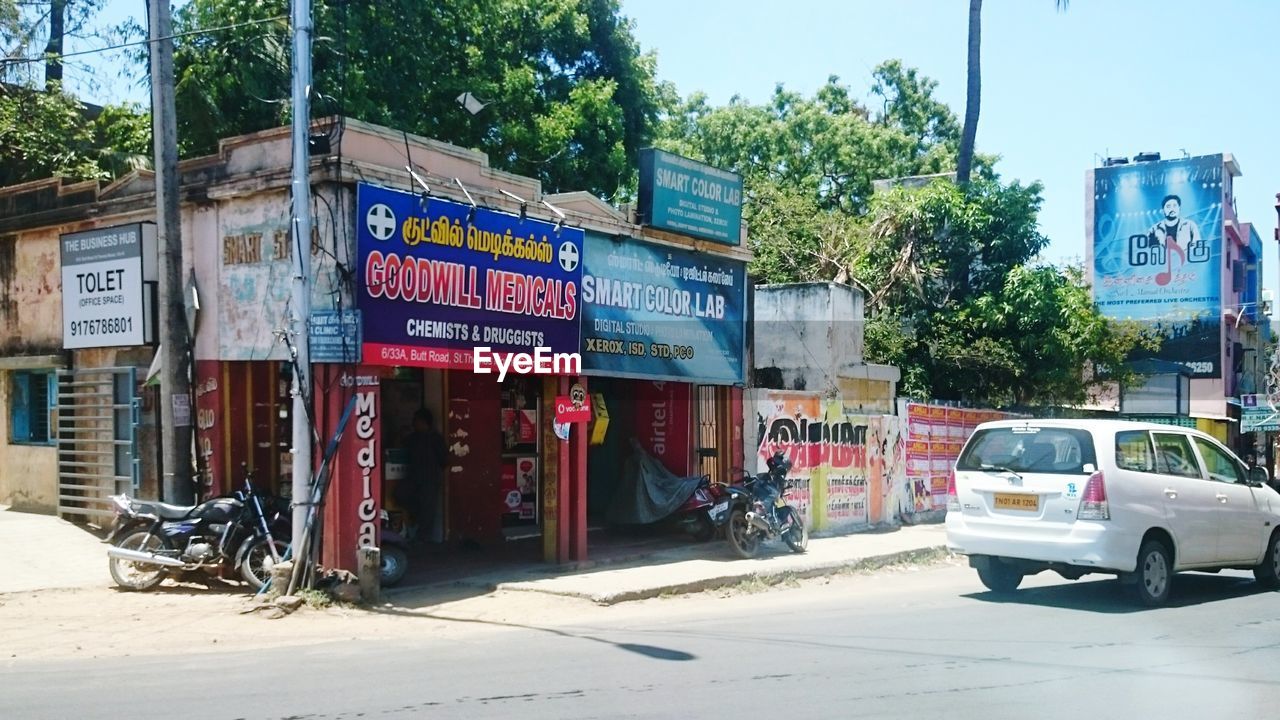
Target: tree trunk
{"x": 53, "y": 51}
{"x": 973, "y": 99}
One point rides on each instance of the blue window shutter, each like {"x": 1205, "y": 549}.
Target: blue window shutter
{"x": 19, "y": 417}
{"x": 51, "y": 407}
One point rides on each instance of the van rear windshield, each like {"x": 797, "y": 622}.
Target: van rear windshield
{"x": 1064, "y": 451}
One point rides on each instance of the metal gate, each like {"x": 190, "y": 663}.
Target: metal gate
{"x": 708, "y": 445}
{"x": 97, "y": 417}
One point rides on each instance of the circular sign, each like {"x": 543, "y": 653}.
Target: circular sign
{"x": 562, "y": 430}
{"x": 381, "y": 222}
{"x": 513, "y": 499}
{"x": 568, "y": 256}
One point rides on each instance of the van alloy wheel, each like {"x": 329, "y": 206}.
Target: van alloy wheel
{"x": 1154, "y": 574}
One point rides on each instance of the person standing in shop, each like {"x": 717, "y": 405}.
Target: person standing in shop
{"x": 428, "y": 456}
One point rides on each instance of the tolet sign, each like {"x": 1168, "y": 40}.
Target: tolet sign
{"x": 574, "y": 407}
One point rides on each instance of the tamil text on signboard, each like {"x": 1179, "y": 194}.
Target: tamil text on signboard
{"x": 1157, "y": 254}
{"x": 439, "y": 279}
{"x": 659, "y": 312}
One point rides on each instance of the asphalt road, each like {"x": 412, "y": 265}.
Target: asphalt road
{"x": 923, "y": 644}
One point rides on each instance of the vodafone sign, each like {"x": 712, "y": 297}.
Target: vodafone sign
{"x": 574, "y": 407}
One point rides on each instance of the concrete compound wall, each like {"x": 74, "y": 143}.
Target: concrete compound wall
{"x": 854, "y": 469}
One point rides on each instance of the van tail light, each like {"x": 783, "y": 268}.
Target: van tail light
{"x": 1093, "y": 505}
{"x": 953, "y": 499}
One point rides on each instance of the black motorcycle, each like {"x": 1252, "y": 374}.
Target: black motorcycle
{"x": 244, "y": 531}
{"x": 758, "y": 511}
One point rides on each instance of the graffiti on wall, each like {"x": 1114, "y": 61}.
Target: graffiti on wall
{"x": 836, "y": 460}
{"x": 852, "y": 469}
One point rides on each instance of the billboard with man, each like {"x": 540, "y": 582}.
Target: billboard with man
{"x": 1157, "y": 254}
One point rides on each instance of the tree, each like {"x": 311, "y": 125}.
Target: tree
{"x": 569, "y": 98}
{"x": 973, "y": 89}
{"x": 32, "y": 35}
{"x": 49, "y": 133}
{"x": 959, "y": 303}
{"x": 829, "y": 146}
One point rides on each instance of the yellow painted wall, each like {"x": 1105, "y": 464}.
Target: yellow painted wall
{"x": 1216, "y": 428}
{"x": 28, "y": 473}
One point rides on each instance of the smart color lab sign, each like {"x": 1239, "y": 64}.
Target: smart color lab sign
{"x": 687, "y": 197}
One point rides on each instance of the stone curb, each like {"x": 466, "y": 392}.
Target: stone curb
{"x": 772, "y": 576}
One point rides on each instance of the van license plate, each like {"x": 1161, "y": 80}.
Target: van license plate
{"x": 1005, "y": 501}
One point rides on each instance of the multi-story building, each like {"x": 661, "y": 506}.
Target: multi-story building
{"x": 1165, "y": 247}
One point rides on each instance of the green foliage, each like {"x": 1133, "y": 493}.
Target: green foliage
{"x": 43, "y": 134}
{"x": 954, "y": 296}
{"x": 570, "y": 97}
{"x": 830, "y": 146}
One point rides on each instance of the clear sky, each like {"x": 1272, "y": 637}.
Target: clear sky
{"x": 1059, "y": 90}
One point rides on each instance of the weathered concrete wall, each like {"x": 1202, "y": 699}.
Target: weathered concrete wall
{"x": 30, "y": 294}
{"x": 27, "y": 472}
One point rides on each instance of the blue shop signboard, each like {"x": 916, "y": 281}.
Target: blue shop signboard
{"x": 687, "y": 197}
{"x": 662, "y": 313}
{"x": 438, "y": 279}
{"x": 335, "y": 337}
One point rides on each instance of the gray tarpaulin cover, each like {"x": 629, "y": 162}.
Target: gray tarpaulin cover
{"x": 648, "y": 492}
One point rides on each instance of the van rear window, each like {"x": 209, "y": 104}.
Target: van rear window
{"x": 1064, "y": 451}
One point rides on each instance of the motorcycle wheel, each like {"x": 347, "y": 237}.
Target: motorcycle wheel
{"x": 255, "y": 567}
{"x": 395, "y": 563}
{"x": 743, "y": 538}
{"x": 138, "y": 576}
{"x": 704, "y": 529}
{"x": 797, "y": 537}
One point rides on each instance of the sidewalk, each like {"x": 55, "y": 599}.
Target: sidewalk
{"x": 704, "y": 566}
{"x": 42, "y": 552}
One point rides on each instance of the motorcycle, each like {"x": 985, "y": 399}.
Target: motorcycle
{"x": 756, "y": 510}
{"x": 151, "y": 540}
{"x": 694, "y": 516}
{"x": 395, "y": 553}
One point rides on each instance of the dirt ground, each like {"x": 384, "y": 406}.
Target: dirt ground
{"x": 102, "y": 622}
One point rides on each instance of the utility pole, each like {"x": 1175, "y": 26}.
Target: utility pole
{"x": 301, "y": 302}
{"x": 174, "y": 383}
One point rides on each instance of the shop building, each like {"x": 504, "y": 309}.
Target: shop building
{"x": 652, "y": 299}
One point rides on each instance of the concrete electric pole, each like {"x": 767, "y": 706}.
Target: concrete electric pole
{"x": 301, "y": 301}
{"x": 175, "y": 385}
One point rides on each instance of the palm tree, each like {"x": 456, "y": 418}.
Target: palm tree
{"x": 973, "y": 95}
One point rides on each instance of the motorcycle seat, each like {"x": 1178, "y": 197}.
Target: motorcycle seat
{"x": 165, "y": 511}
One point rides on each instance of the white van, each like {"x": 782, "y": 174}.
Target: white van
{"x": 1138, "y": 500}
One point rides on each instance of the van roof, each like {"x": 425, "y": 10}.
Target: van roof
{"x": 1082, "y": 424}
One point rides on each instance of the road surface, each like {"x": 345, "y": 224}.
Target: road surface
{"x": 897, "y": 644}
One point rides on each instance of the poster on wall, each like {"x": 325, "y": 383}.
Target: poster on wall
{"x": 437, "y": 279}
{"x": 659, "y": 312}
{"x": 1158, "y": 254}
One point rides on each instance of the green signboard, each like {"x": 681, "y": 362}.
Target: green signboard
{"x": 687, "y": 197}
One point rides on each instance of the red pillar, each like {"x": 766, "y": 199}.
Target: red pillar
{"x": 578, "y": 477}
{"x": 565, "y": 484}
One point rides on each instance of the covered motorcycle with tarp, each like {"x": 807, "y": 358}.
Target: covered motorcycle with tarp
{"x": 649, "y": 493}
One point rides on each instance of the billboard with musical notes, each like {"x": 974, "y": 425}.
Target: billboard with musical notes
{"x": 1157, "y": 254}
